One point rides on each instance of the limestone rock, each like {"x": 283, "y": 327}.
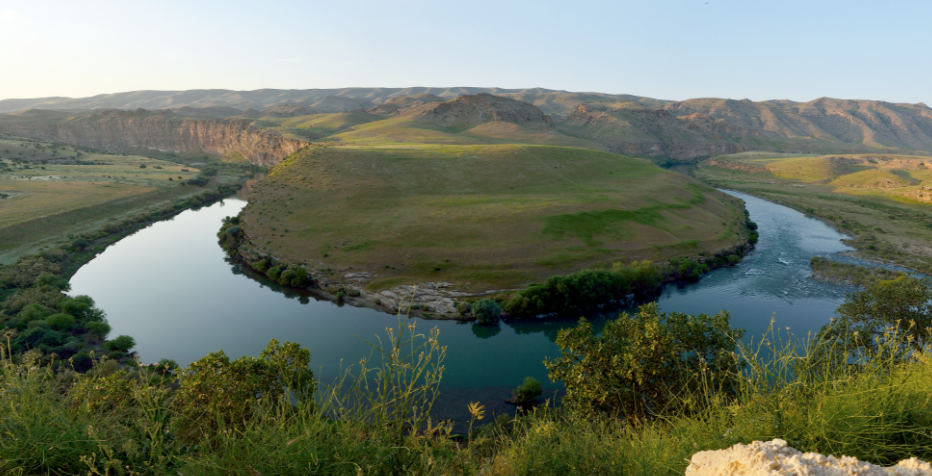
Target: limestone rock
{"x": 775, "y": 458}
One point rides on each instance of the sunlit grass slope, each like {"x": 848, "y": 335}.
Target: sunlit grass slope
{"x": 492, "y": 215}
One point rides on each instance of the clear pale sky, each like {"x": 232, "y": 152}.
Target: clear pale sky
{"x": 673, "y": 49}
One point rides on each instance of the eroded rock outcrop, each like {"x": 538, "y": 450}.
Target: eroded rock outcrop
{"x": 117, "y": 131}
{"x": 476, "y": 109}
{"x": 775, "y": 458}
{"x": 636, "y": 130}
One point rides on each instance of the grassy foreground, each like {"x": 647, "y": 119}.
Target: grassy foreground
{"x": 137, "y": 420}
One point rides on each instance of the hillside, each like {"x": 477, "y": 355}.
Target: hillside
{"x": 662, "y": 130}
{"x": 479, "y": 216}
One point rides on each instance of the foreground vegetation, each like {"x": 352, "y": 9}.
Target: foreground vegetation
{"x": 680, "y": 384}
{"x": 880, "y": 200}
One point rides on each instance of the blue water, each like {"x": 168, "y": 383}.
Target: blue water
{"x": 171, "y": 288}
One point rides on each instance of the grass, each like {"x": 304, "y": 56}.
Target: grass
{"x": 65, "y": 191}
{"x": 879, "y": 200}
{"x": 507, "y": 208}
{"x": 374, "y": 420}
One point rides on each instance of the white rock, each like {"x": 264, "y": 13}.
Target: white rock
{"x": 775, "y": 458}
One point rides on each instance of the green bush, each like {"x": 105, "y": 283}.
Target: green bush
{"x": 528, "y": 391}
{"x": 60, "y": 322}
{"x": 260, "y": 265}
{"x": 639, "y": 365}
{"x": 274, "y": 272}
{"x": 486, "y": 311}
{"x": 41, "y": 336}
{"x": 687, "y": 269}
{"x": 866, "y": 318}
{"x": 218, "y": 391}
{"x": 99, "y": 329}
{"x": 586, "y": 290}
{"x": 122, "y": 343}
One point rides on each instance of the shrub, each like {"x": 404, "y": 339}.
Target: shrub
{"x": 60, "y": 322}
{"x": 80, "y": 244}
{"x": 81, "y": 307}
{"x": 274, "y": 273}
{"x": 41, "y": 336}
{"x": 49, "y": 279}
{"x": 585, "y": 290}
{"x": 688, "y": 269}
{"x": 866, "y": 318}
{"x": 486, "y": 311}
{"x": 29, "y": 313}
{"x": 120, "y": 344}
{"x": 463, "y": 308}
{"x": 639, "y": 365}
{"x": 99, "y": 329}
{"x": 218, "y": 391}
{"x": 528, "y": 391}
{"x": 260, "y": 265}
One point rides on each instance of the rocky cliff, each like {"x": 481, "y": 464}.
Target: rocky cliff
{"x": 116, "y": 131}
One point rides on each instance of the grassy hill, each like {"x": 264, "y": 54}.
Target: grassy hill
{"x": 414, "y": 198}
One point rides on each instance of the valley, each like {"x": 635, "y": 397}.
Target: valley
{"x": 881, "y": 200}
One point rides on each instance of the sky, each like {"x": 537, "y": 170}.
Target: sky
{"x": 667, "y": 49}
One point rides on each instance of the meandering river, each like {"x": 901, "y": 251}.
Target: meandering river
{"x": 170, "y": 287}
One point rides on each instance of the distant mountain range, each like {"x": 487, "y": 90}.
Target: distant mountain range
{"x": 634, "y": 125}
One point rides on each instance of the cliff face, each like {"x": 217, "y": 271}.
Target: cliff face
{"x": 116, "y": 131}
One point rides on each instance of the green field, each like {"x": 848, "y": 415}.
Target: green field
{"x": 881, "y": 200}
{"x": 482, "y": 216}
{"x": 50, "y": 190}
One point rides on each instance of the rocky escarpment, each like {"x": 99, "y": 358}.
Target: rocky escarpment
{"x": 477, "y": 109}
{"x": 635, "y": 130}
{"x": 116, "y": 131}
{"x": 401, "y": 104}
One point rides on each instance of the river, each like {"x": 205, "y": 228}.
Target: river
{"x": 171, "y": 288}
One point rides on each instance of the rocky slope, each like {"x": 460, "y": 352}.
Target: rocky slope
{"x": 473, "y": 110}
{"x": 635, "y": 130}
{"x": 858, "y": 124}
{"x": 116, "y": 131}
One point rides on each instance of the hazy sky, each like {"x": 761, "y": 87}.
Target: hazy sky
{"x": 670, "y": 49}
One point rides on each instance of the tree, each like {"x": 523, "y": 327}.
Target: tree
{"x": 528, "y": 391}
{"x": 638, "y": 365}
{"x": 120, "y": 344}
{"x": 486, "y": 311}
{"x": 900, "y": 308}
